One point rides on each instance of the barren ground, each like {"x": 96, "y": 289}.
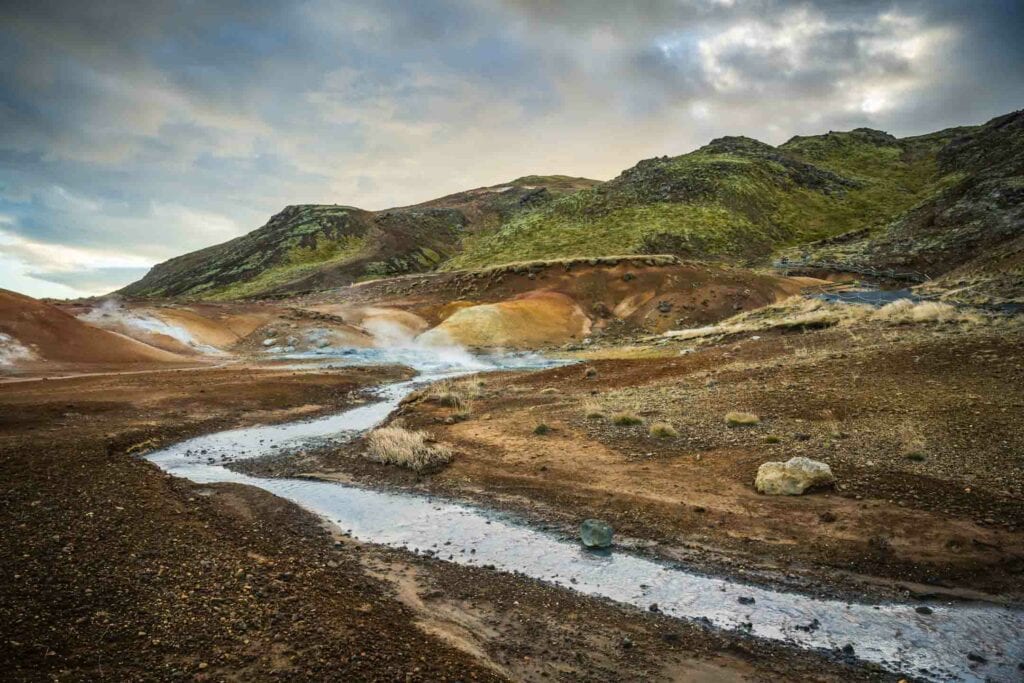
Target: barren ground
{"x": 919, "y": 423}
{"x": 112, "y": 570}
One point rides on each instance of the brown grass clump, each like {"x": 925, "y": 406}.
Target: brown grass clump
{"x": 906, "y": 311}
{"x": 593, "y": 411}
{"x": 405, "y": 448}
{"x": 663, "y": 430}
{"x": 737, "y": 419}
{"x": 454, "y": 394}
{"x": 912, "y": 444}
{"x": 802, "y": 313}
{"x": 625, "y": 419}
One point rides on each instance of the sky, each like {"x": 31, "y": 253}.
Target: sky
{"x": 132, "y": 131}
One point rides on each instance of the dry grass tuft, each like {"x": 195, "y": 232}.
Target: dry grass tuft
{"x": 737, "y": 419}
{"x": 541, "y": 429}
{"x": 406, "y": 448}
{"x": 906, "y": 311}
{"x": 912, "y": 444}
{"x": 593, "y": 411}
{"x": 454, "y": 394}
{"x": 663, "y": 430}
{"x": 802, "y": 313}
{"x": 625, "y": 419}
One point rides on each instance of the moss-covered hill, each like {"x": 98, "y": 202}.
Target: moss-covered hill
{"x": 968, "y": 231}
{"x": 859, "y": 198}
{"x": 312, "y": 247}
{"x": 735, "y": 198}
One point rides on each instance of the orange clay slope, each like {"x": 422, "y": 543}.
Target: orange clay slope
{"x": 35, "y": 332}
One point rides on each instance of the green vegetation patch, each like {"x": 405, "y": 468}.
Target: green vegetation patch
{"x": 737, "y": 199}
{"x": 298, "y": 262}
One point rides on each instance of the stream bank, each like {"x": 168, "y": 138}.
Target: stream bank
{"x": 936, "y": 643}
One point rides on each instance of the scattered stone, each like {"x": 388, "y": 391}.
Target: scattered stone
{"x": 923, "y": 610}
{"x": 811, "y": 627}
{"x": 595, "y": 534}
{"x": 269, "y": 342}
{"x": 975, "y": 657}
{"x": 793, "y": 477}
{"x": 827, "y": 517}
{"x": 745, "y": 600}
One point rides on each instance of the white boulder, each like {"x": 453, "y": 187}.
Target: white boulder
{"x": 793, "y": 477}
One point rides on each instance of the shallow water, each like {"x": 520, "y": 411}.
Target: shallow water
{"x": 427, "y": 360}
{"x": 871, "y": 297}
{"x": 931, "y": 646}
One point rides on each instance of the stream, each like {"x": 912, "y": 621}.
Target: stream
{"x": 958, "y": 641}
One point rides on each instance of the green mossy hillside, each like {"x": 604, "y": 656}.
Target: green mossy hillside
{"x": 736, "y": 199}
{"x": 859, "y": 199}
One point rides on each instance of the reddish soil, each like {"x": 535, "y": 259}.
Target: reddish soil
{"x": 54, "y": 336}
{"x": 919, "y": 425}
{"x": 634, "y": 295}
{"x": 113, "y": 570}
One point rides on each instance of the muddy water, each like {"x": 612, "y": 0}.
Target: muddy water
{"x": 948, "y": 643}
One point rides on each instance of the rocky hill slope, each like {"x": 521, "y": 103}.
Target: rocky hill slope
{"x": 862, "y": 200}
{"x": 321, "y": 246}
{"x": 969, "y": 231}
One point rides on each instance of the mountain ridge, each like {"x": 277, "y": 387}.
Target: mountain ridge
{"x": 814, "y": 199}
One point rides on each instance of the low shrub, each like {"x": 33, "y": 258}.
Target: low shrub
{"x": 625, "y": 419}
{"x": 454, "y": 394}
{"x": 737, "y": 419}
{"x": 663, "y": 430}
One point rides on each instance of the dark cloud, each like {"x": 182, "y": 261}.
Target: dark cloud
{"x": 138, "y": 129}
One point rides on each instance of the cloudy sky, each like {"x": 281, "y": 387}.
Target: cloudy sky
{"x": 135, "y": 130}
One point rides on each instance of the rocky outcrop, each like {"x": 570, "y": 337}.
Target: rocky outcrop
{"x": 793, "y": 477}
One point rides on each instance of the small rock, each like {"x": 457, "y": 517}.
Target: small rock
{"x": 923, "y": 610}
{"x": 595, "y": 534}
{"x": 744, "y": 600}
